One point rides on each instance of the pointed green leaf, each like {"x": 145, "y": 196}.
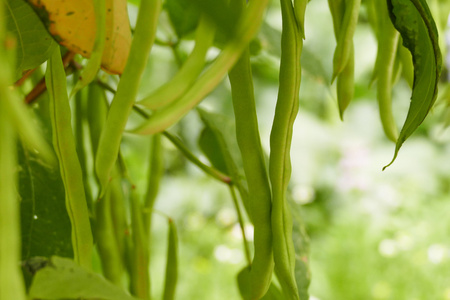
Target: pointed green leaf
{"x": 413, "y": 19}
{"x": 62, "y": 278}
{"x": 34, "y": 43}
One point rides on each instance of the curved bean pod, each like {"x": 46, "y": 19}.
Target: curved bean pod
{"x": 64, "y": 145}
{"x": 11, "y": 280}
{"x": 280, "y": 142}
{"x": 156, "y": 171}
{"x": 140, "y": 276}
{"x": 188, "y": 73}
{"x": 387, "y": 48}
{"x": 345, "y": 79}
{"x": 345, "y": 84}
{"x": 172, "y": 262}
{"x": 92, "y": 67}
{"x": 254, "y": 281}
{"x": 123, "y": 101}
{"x": 299, "y": 12}
{"x": 345, "y": 39}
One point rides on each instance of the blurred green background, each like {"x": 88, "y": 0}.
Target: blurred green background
{"x": 374, "y": 235}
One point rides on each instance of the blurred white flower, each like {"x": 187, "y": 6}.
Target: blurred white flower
{"x": 226, "y": 216}
{"x": 437, "y": 253}
{"x": 388, "y": 248}
{"x": 236, "y": 232}
{"x": 224, "y": 254}
{"x": 303, "y": 194}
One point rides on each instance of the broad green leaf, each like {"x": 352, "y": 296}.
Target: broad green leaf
{"x": 45, "y": 225}
{"x": 270, "y": 39}
{"x": 183, "y": 15}
{"x": 210, "y": 146}
{"x": 412, "y": 18}
{"x": 301, "y": 245}
{"x": 218, "y": 143}
{"x": 222, "y": 13}
{"x": 34, "y": 43}
{"x": 62, "y": 278}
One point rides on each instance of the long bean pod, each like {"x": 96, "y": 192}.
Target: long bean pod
{"x": 156, "y": 170}
{"x": 345, "y": 38}
{"x": 173, "y": 112}
{"x": 345, "y": 79}
{"x": 140, "y": 277}
{"x": 172, "y": 262}
{"x": 280, "y": 142}
{"x": 64, "y": 145}
{"x": 92, "y": 67}
{"x": 188, "y": 72}
{"x": 11, "y": 280}
{"x": 106, "y": 238}
{"x": 79, "y": 114}
{"x": 388, "y": 38}
{"x": 123, "y": 101}
{"x": 255, "y": 279}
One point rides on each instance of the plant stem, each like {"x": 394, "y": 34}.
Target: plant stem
{"x": 188, "y": 154}
{"x": 241, "y": 225}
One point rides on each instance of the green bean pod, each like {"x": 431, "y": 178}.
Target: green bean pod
{"x": 92, "y": 67}
{"x": 79, "y": 114}
{"x": 172, "y": 263}
{"x": 140, "y": 276}
{"x": 123, "y": 101}
{"x": 345, "y": 38}
{"x": 387, "y": 48}
{"x": 345, "y": 84}
{"x": 254, "y": 280}
{"x": 156, "y": 171}
{"x": 107, "y": 238}
{"x": 64, "y": 145}
{"x": 299, "y": 11}
{"x": 11, "y": 280}
{"x": 280, "y": 143}
{"x": 188, "y": 73}
{"x": 96, "y": 114}
{"x": 372, "y": 15}
{"x": 345, "y": 80}
{"x": 172, "y": 113}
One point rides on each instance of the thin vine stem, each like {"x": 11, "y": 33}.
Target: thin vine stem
{"x": 241, "y": 225}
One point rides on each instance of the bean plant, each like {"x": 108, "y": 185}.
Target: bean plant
{"x": 75, "y": 224}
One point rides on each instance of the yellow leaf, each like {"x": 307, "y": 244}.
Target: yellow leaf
{"x": 72, "y": 24}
